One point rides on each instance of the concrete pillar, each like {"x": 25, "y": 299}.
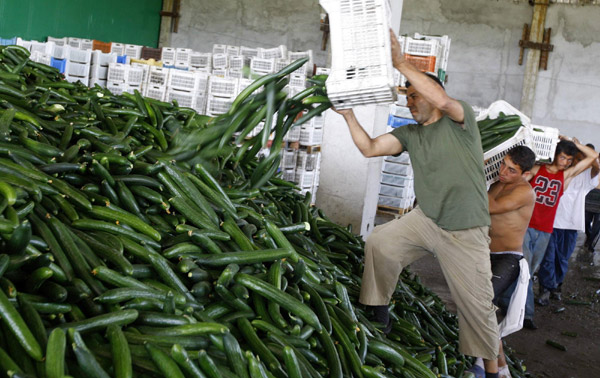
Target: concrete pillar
{"x": 533, "y": 56}
{"x": 349, "y": 182}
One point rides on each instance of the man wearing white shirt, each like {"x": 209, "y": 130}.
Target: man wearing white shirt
{"x": 570, "y": 218}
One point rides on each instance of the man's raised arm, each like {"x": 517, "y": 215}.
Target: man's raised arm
{"x": 585, "y": 163}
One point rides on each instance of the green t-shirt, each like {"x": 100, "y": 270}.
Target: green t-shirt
{"x": 447, "y": 162}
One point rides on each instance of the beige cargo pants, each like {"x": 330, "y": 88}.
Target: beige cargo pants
{"x": 464, "y": 257}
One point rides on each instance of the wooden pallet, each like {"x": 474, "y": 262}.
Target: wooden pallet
{"x": 389, "y": 210}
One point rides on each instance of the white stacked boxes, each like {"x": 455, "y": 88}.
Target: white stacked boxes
{"x": 236, "y": 62}
{"x": 133, "y": 51}
{"x": 262, "y": 66}
{"x": 273, "y": 53}
{"x": 117, "y": 48}
{"x": 167, "y": 56}
{"x": 46, "y": 48}
{"x": 307, "y": 68}
{"x": 232, "y": 50}
{"x": 74, "y": 42}
{"x": 397, "y": 183}
{"x": 219, "y": 49}
{"x": 185, "y": 87}
{"x": 182, "y": 57}
{"x": 220, "y": 95}
{"x": 361, "y": 71}
{"x": 220, "y": 61}
{"x": 78, "y": 65}
{"x": 307, "y": 169}
{"x": 58, "y": 41}
{"x": 311, "y": 132}
{"x": 99, "y": 68}
{"x": 156, "y": 82}
{"x": 40, "y": 57}
{"x": 293, "y": 135}
{"x": 200, "y": 60}
{"x": 87, "y": 44}
{"x": 248, "y": 54}
{"x": 124, "y": 77}
{"x": 61, "y": 52}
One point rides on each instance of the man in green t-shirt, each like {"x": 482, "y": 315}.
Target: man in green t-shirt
{"x": 451, "y": 220}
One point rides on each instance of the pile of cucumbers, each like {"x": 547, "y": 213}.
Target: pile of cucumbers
{"x": 139, "y": 238}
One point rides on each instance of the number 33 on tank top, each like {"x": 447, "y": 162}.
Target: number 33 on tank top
{"x": 547, "y": 191}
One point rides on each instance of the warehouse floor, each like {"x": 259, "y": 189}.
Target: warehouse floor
{"x": 582, "y": 357}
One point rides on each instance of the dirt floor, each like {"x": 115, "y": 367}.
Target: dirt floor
{"x": 580, "y": 318}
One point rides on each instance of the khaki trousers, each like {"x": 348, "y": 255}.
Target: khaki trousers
{"x": 464, "y": 257}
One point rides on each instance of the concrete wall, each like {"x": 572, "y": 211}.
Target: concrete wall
{"x": 250, "y": 23}
{"x": 483, "y": 65}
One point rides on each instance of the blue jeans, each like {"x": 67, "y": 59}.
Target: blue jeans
{"x": 556, "y": 261}
{"x": 534, "y": 248}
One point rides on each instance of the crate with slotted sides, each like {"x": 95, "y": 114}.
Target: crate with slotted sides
{"x": 236, "y": 62}
{"x": 273, "y": 53}
{"x": 397, "y": 180}
{"x": 398, "y": 169}
{"x": 155, "y": 92}
{"x": 308, "y": 161}
{"x": 74, "y": 79}
{"x": 103, "y": 59}
{"x": 199, "y": 60}
{"x": 219, "y": 49}
{"x": 101, "y": 46}
{"x": 74, "y": 42}
{"x": 87, "y": 44}
{"x": 235, "y": 74}
{"x": 117, "y": 72}
{"x": 133, "y": 51}
{"x": 98, "y": 72}
{"x": 220, "y": 60}
{"x": 158, "y": 76}
{"x": 232, "y": 50}
{"x": 184, "y": 80}
{"x": 544, "y": 141}
{"x": 281, "y": 64}
{"x": 135, "y": 75}
{"x": 77, "y": 69}
{"x": 220, "y": 72}
{"x": 396, "y": 191}
{"x": 297, "y": 80}
{"x": 493, "y": 157}
{"x": 310, "y": 136}
{"x": 262, "y": 65}
{"x": 57, "y": 41}
{"x": 97, "y": 81}
{"x": 145, "y": 70}
{"x": 167, "y": 55}
{"x": 304, "y": 179}
{"x": 217, "y": 105}
{"x": 79, "y": 55}
{"x": 288, "y": 174}
{"x": 184, "y": 98}
{"x": 151, "y": 53}
{"x": 182, "y": 55}
{"x": 200, "y": 105}
{"x": 39, "y": 57}
{"x": 222, "y": 87}
{"x": 293, "y": 134}
{"x": 42, "y": 47}
{"x": 117, "y": 48}
{"x": 288, "y": 158}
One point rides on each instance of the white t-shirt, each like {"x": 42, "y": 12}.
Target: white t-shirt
{"x": 570, "y": 214}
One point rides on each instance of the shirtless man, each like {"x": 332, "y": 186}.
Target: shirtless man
{"x": 511, "y": 202}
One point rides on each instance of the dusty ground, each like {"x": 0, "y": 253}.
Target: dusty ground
{"x": 582, "y": 357}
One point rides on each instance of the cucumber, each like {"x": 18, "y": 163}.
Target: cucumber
{"x": 164, "y": 362}
{"x": 13, "y": 321}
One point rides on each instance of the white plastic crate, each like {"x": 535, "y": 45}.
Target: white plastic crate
{"x": 222, "y": 87}
{"x": 87, "y": 44}
{"x": 220, "y": 60}
{"x": 322, "y": 71}
{"x": 117, "y": 72}
{"x": 183, "y": 98}
{"x": 243, "y": 83}
{"x": 158, "y": 76}
{"x": 135, "y": 75}
{"x": 397, "y": 180}
{"x": 304, "y": 179}
{"x": 236, "y": 62}
{"x": 310, "y": 136}
{"x": 74, "y": 79}
{"x": 200, "y": 106}
{"x": 444, "y": 42}
{"x": 133, "y": 51}
{"x": 117, "y": 48}
{"x": 220, "y": 72}
{"x": 493, "y": 157}
{"x": 293, "y": 135}
{"x": 198, "y": 59}
{"x": 167, "y": 55}
{"x": 40, "y": 57}
{"x": 155, "y": 92}
{"x": 288, "y": 158}
{"x": 77, "y": 69}
{"x": 361, "y": 71}
{"x": 398, "y": 169}
{"x": 288, "y": 174}
{"x": 74, "y": 42}
{"x": 46, "y": 48}
{"x": 273, "y": 53}
{"x": 183, "y": 80}
{"x": 281, "y": 64}
{"x": 182, "y": 56}
{"x": 98, "y": 72}
{"x": 544, "y": 141}
{"x": 308, "y": 162}
{"x": 307, "y": 68}
{"x": 61, "y": 52}
{"x": 217, "y": 105}
{"x": 501, "y": 106}
{"x": 421, "y": 47}
{"x": 116, "y": 87}
{"x": 79, "y": 55}
{"x": 235, "y": 74}
{"x": 262, "y": 65}
{"x": 297, "y": 80}
{"x": 248, "y": 51}
{"x": 396, "y": 191}
{"x": 219, "y": 49}
{"x": 58, "y": 41}
{"x": 318, "y": 121}
{"x": 100, "y": 82}
{"x": 103, "y": 59}
{"x": 232, "y": 50}
{"x": 203, "y": 78}
{"x": 400, "y": 159}
{"x": 395, "y": 202}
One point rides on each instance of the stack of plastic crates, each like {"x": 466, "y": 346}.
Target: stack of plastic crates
{"x": 261, "y": 66}
{"x": 544, "y": 141}
{"x": 182, "y": 58}
{"x": 308, "y": 167}
{"x": 156, "y": 82}
{"x": 168, "y": 55}
{"x": 42, "y": 52}
{"x": 444, "y": 42}
{"x": 221, "y": 93}
{"x": 201, "y": 61}
{"x": 307, "y": 68}
{"x": 124, "y": 78}
{"x": 396, "y": 190}
{"x": 78, "y": 63}
{"x": 133, "y": 51}
{"x": 296, "y": 84}
{"x": 311, "y": 132}
{"x": 99, "y": 68}
{"x": 186, "y": 87}
{"x": 361, "y": 70}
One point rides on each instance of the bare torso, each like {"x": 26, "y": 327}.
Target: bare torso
{"x": 508, "y": 229}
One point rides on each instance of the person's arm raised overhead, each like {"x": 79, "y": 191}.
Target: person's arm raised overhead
{"x": 430, "y": 90}
{"x": 383, "y": 145}
{"x": 585, "y": 163}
